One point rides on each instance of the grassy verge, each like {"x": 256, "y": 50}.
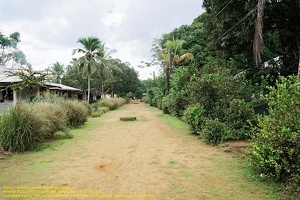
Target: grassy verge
{"x": 242, "y": 182}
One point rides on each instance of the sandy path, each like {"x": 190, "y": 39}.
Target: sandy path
{"x": 149, "y": 158}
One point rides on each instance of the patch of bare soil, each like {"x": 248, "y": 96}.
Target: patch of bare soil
{"x": 150, "y": 158}
{"x": 235, "y": 147}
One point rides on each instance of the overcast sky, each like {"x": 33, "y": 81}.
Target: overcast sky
{"x": 50, "y": 28}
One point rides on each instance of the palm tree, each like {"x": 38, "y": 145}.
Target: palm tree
{"x": 106, "y": 67}
{"x": 87, "y": 63}
{"x": 173, "y": 55}
{"x": 58, "y": 70}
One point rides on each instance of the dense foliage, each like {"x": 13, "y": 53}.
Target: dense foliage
{"x": 216, "y": 92}
{"x": 275, "y": 148}
{"x": 10, "y": 55}
{"x": 123, "y": 81}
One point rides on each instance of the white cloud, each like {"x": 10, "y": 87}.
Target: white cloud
{"x": 50, "y": 28}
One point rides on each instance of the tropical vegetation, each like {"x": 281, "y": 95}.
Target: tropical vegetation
{"x": 214, "y": 72}
{"x": 245, "y": 54}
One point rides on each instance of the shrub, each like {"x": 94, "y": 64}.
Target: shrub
{"x": 213, "y": 131}
{"x": 22, "y": 128}
{"x": 56, "y": 116}
{"x": 145, "y": 99}
{"x": 194, "y": 116}
{"x": 77, "y": 112}
{"x": 275, "y": 148}
{"x": 155, "y": 97}
{"x": 174, "y": 103}
{"x": 97, "y": 113}
{"x": 239, "y": 117}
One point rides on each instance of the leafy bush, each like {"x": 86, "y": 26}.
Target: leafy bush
{"x": 194, "y": 116}
{"x": 56, "y": 116}
{"x": 22, "y": 128}
{"x": 145, "y": 99}
{"x": 239, "y": 117}
{"x": 77, "y": 112}
{"x": 213, "y": 131}
{"x": 174, "y": 103}
{"x": 275, "y": 148}
{"x": 155, "y": 97}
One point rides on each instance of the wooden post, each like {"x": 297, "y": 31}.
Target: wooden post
{"x": 15, "y": 97}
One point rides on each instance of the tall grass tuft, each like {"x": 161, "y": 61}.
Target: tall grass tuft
{"x": 112, "y": 104}
{"x": 77, "y": 112}
{"x": 22, "y": 128}
{"x": 56, "y": 116}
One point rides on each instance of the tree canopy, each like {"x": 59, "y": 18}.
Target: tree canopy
{"x": 10, "y": 54}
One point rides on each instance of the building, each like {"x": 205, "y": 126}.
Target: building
{"x": 10, "y": 96}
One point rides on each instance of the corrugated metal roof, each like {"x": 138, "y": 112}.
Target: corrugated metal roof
{"x": 57, "y": 86}
{"x": 6, "y": 78}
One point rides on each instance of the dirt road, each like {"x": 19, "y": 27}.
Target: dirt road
{"x": 151, "y": 158}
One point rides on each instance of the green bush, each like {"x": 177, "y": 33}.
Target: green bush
{"x": 97, "y": 113}
{"x": 239, "y": 117}
{"x": 22, "y": 128}
{"x": 275, "y": 148}
{"x": 145, "y": 99}
{"x": 55, "y": 114}
{"x": 174, "y": 103}
{"x": 194, "y": 116}
{"x": 77, "y": 112}
{"x": 213, "y": 131}
{"x": 155, "y": 97}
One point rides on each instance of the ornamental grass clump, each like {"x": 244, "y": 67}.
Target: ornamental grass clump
{"x": 22, "y": 128}
{"x": 77, "y": 112}
{"x": 112, "y": 104}
{"x": 56, "y": 116}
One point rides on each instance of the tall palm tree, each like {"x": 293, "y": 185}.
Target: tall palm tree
{"x": 173, "y": 55}
{"x": 87, "y": 63}
{"x": 106, "y": 67}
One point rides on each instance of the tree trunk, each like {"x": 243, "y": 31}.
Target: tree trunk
{"x": 89, "y": 88}
{"x": 299, "y": 62}
{"x": 102, "y": 91}
{"x": 258, "y": 36}
{"x": 169, "y": 70}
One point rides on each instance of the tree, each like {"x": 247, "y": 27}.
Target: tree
{"x": 106, "y": 66}
{"x": 124, "y": 80}
{"x": 58, "y": 71}
{"x": 30, "y": 80}
{"x": 74, "y": 79}
{"x": 9, "y": 52}
{"x": 87, "y": 63}
{"x": 230, "y": 27}
{"x": 173, "y": 55}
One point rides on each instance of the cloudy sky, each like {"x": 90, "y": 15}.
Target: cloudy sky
{"x": 50, "y": 28}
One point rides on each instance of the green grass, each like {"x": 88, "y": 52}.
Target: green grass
{"x": 171, "y": 164}
{"x": 223, "y": 169}
{"x": 174, "y": 122}
{"x": 185, "y": 173}
{"x": 40, "y": 164}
